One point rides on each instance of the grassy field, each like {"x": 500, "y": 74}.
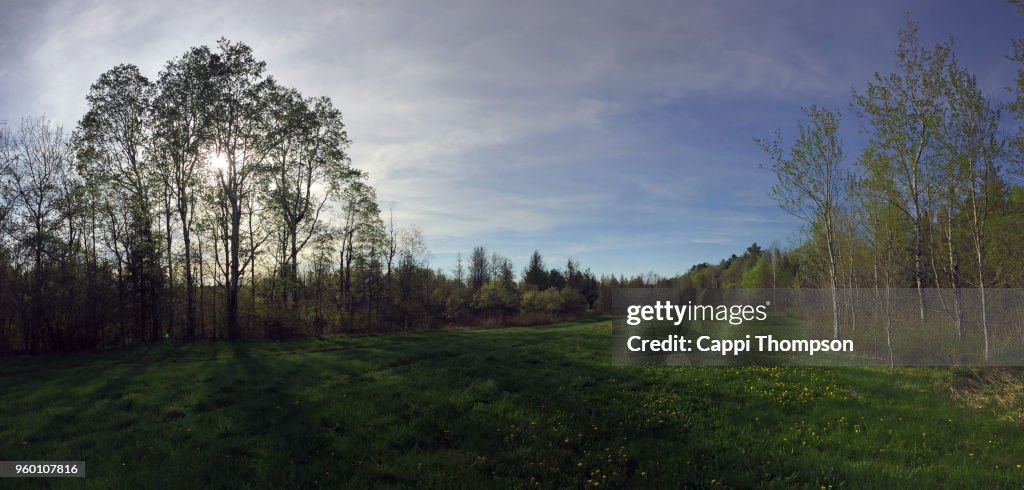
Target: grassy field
{"x": 511, "y": 407}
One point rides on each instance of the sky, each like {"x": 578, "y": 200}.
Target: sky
{"x": 617, "y": 133}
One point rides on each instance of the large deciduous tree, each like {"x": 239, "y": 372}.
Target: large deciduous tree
{"x": 238, "y": 131}
{"x": 181, "y": 132}
{"x": 113, "y": 150}
{"x": 37, "y": 183}
{"x": 307, "y": 168}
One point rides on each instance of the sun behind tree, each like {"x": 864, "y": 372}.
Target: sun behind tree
{"x": 218, "y": 163}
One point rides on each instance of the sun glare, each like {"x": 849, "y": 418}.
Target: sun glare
{"x": 218, "y": 162}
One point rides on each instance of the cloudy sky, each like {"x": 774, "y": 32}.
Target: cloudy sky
{"x": 619, "y": 133}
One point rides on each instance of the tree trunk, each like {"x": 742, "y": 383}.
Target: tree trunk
{"x": 170, "y": 259}
{"x": 231, "y": 317}
{"x": 190, "y": 296}
{"x": 918, "y": 273}
{"x": 979, "y": 241}
{"x": 833, "y": 276}
{"x": 954, "y": 278}
{"x": 201, "y": 324}
{"x": 293, "y": 265}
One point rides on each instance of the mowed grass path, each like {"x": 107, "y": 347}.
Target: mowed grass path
{"x": 510, "y": 407}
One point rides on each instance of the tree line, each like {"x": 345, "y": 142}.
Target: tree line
{"x": 216, "y": 202}
{"x": 932, "y": 204}
{"x": 932, "y": 201}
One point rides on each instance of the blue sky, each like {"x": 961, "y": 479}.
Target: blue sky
{"x": 618, "y": 133}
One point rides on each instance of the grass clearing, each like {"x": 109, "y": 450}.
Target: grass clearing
{"x": 505, "y": 407}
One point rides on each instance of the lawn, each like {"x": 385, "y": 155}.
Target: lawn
{"x": 502, "y": 407}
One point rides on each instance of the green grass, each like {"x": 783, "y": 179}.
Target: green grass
{"x": 509, "y": 407}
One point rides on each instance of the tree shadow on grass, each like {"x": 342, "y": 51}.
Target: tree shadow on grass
{"x": 505, "y": 406}
{"x": 79, "y": 412}
{"x": 512, "y": 409}
{"x": 468, "y": 411}
{"x": 253, "y": 423}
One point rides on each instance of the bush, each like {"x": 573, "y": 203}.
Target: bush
{"x": 495, "y": 298}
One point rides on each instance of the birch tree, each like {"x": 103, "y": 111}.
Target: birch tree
{"x": 810, "y": 184}
{"x": 902, "y": 111}
{"x": 972, "y": 147}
